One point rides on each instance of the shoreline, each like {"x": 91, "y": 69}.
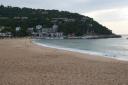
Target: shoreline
{"x": 78, "y": 51}
{"x": 25, "y": 63}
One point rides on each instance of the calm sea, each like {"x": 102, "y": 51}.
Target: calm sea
{"x": 113, "y": 47}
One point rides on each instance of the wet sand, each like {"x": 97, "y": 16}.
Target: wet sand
{"x": 23, "y": 63}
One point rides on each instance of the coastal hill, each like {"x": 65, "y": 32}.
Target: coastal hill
{"x": 68, "y": 23}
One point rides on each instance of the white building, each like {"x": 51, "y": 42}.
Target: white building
{"x": 6, "y": 34}
{"x": 38, "y": 27}
{"x": 55, "y": 28}
{"x": 49, "y": 33}
{"x": 46, "y": 30}
{"x": 18, "y": 29}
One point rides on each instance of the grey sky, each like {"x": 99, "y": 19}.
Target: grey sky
{"x": 104, "y": 11}
{"x": 69, "y": 5}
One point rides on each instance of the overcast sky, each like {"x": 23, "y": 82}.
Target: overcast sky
{"x": 111, "y": 13}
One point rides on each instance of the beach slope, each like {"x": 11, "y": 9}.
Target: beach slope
{"x": 23, "y": 63}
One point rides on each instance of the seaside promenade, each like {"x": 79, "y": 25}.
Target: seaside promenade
{"x": 23, "y": 63}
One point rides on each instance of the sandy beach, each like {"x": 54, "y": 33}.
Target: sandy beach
{"x": 23, "y": 63}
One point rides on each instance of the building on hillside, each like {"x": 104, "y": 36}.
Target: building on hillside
{"x": 54, "y": 28}
{"x": 63, "y": 19}
{"x": 38, "y": 27}
{"x": 20, "y": 18}
{"x": 48, "y": 33}
{"x": 69, "y": 20}
{"x": 18, "y": 29}
{"x": 5, "y": 34}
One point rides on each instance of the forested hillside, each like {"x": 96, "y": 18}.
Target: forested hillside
{"x": 12, "y": 17}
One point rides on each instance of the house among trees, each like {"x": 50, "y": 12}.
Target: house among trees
{"x": 70, "y": 24}
{"x": 38, "y": 26}
{"x": 4, "y": 33}
{"x": 18, "y": 29}
{"x": 20, "y": 18}
{"x": 69, "y": 20}
{"x": 63, "y": 19}
{"x": 48, "y": 33}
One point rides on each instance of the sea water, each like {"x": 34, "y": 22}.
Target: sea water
{"x": 112, "y": 47}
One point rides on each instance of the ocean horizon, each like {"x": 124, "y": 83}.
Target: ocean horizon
{"x": 116, "y": 48}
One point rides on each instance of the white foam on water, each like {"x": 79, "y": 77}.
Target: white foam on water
{"x": 79, "y": 51}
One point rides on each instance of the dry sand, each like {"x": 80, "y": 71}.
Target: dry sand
{"x": 22, "y": 63}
